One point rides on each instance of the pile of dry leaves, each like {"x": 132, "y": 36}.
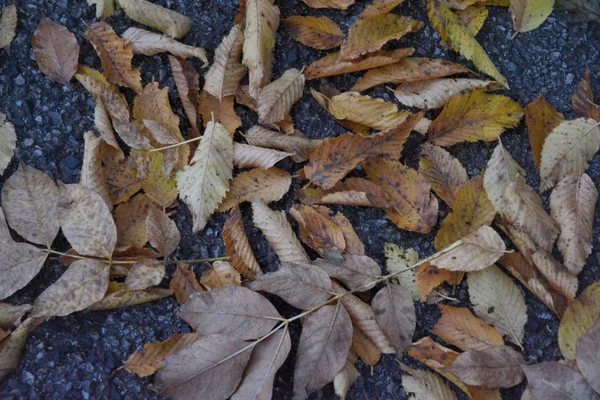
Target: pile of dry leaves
{"x": 349, "y": 308}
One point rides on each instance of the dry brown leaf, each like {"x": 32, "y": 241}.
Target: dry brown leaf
{"x": 278, "y": 232}
{"x": 150, "y": 44}
{"x": 237, "y": 245}
{"x": 12, "y": 346}
{"x": 262, "y": 20}
{"x": 223, "y": 77}
{"x": 444, "y": 172}
{"x": 203, "y": 184}
{"x": 573, "y": 202}
{"x": 184, "y": 283}
{"x": 459, "y": 327}
{"x": 186, "y": 80}
{"x": 356, "y": 272}
{"x": 541, "y": 119}
{"x": 337, "y": 156}
{"x": 299, "y": 146}
{"x": 266, "y": 185}
{"x": 221, "y": 110}
{"x": 332, "y": 64}
{"x": 219, "y": 275}
{"x": 248, "y": 156}
{"x": 318, "y": 231}
{"x": 130, "y": 219}
{"x": 277, "y": 98}
{"x": 337, "y": 4}
{"x": 583, "y": 99}
{"x": 371, "y": 33}
{"x": 409, "y": 69}
{"x": 8, "y": 25}
{"x": 144, "y": 274}
{"x": 424, "y": 385}
{"x": 151, "y": 358}
{"x": 92, "y": 173}
{"x": 56, "y": 51}
{"x": 587, "y": 361}
{"x": 553, "y": 380}
{"x": 323, "y": 349}
{"x": 29, "y": 199}
{"x": 501, "y": 170}
{"x": 582, "y": 314}
{"x": 474, "y": 116}
{"x": 303, "y": 286}
{"x": 162, "y": 232}
{"x": 115, "y": 54}
{"x": 80, "y": 286}
{"x": 365, "y": 348}
{"x": 211, "y": 367}
{"x": 231, "y": 310}
{"x": 354, "y": 246}
{"x": 395, "y": 313}
{"x": 119, "y": 298}
{"x": 492, "y": 367}
{"x": 320, "y": 33}
{"x": 170, "y": 22}
{"x": 413, "y": 207}
{"x": 21, "y": 262}
{"x": 86, "y": 221}
{"x": 559, "y": 277}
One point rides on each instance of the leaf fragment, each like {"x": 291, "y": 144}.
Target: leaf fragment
{"x": 587, "y": 362}
{"x": 162, "y": 232}
{"x": 8, "y": 142}
{"x": 337, "y": 4}
{"x": 426, "y": 385}
{"x": 8, "y": 25}
{"x": 56, "y": 51}
{"x": 501, "y": 170}
{"x": 13, "y": 345}
{"x": 150, "y": 44}
{"x": 320, "y": 33}
{"x": 130, "y": 219}
{"x": 541, "y": 119}
{"x": 167, "y": 21}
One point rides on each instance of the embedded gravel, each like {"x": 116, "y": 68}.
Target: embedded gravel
{"x": 77, "y": 357}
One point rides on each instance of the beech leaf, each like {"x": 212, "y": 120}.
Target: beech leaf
{"x": 277, "y": 98}
{"x": 56, "y": 51}
{"x": 527, "y": 15}
{"x": 318, "y": 231}
{"x": 223, "y": 77}
{"x": 248, "y": 156}
{"x": 219, "y": 275}
{"x": 444, "y": 172}
{"x": 184, "y": 283}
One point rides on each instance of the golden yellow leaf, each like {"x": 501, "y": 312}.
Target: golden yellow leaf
{"x": 184, "y": 283}
{"x": 150, "y": 44}
{"x": 444, "y": 172}
{"x": 267, "y": 185}
{"x": 527, "y": 15}
{"x": 581, "y": 315}
{"x": 320, "y": 33}
{"x": 219, "y": 275}
{"x": 170, "y": 22}
{"x": 473, "y": 18}
{"x": 452, "y": 31}
{"x": 8, "y": 25}
{"x": 371, "y": 33}
{"x": 221, "y": 109}
{"x": 474, "y": 116}
{"x": 223, "y": 77}
{"x": 159, "y": 188}
{"x": 115, "y": 54}
{"x": 238, "y": 247}
{"x": 277, "y": 98}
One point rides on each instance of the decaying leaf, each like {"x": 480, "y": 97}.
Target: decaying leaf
{"x": 473, "y": 17}
{"x": 444, "y": 172}
{"x": 304, "y": 286}
{"x": 277, "y": 98}
{"x": 395, "y": 313}
{"x": 425, "y": 385}
{"x": 186, "y": 79}
{"x": 527, "y": 15}
{"x": 11, "y": 315}
{"x": 573, "y": 202}
{"x": 160, "y": 188}
{"x": 568, "y": 149}
{"x": 223, "y": 77}
{"x": 221, "y": 110}
{"x": 541, "y": 119}
{"x": 81, "y": 285}
{"x": 29, "y": 200}
{"x": 318, "y": 230}
{"x": 323, "y": 349}
{"x": 356, "y": 272}
{"x": 115, "y": 54}
{"x": 144, "y": 274}
{"x": 262, "y": 20}
{"x": 320, "y": 33}
{"x": 266, "y": 185}
{"x": 162, "y": 232}
{"x": 582, "y": 314}
{"x": 231, "y": 310}
{"x": 587, "y": 361}
{"x": 371, "y": 33}
{"x": 498, "y": 302}
{"x": 21, "y": 262}
{"x": 220, "y": 275}
{"x": 559, "y": 277}
{"x": 150, "y": 44}
{"x": 8, "y": 142}
{"x": 184, "y": 283}
{"x": 170, "y": 22}
{"x": 278, "y": 232}
{"x": 398, "y": 259}
{"x": 474, "y": 116}
{"x": 493, "y": 367}
{"x": 127, "y": 298}
{"x": 553, "y": 380}
{"x": 408, "y": 70}
{"x": 56, "y": 51}
{"x": 583, "y": 99}
{"x": 299, "y": 146}
{"x": 203, "y": 184}
{"x": 93, "y": 175}
{"x": 130, "y": 219}
{"x": 8, "y": 25}
{"x": 452, "y": 31}
{"x": 365, "y": 348}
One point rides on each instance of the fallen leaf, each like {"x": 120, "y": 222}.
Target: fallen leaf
{"x": 151, "y": 358}
{"x": 580, "y": 10}
{"x": 221, "y": 110}
{"x": 162, "y": 19}
{"x": 223, "y": 77}
{"x": 219, "y": 275}
{"x": 238, "y": 247}
{"x": 452, "y": 31}
{"x": 365, "y": 348}
{"x": 444, "y": 172}
{"x": 434, "y": 93}
{"x": 104, "y": 8}
{"x": 86, "y": 221}
{"x": 552, "y": 380}
{"x": 8, "y": 142}
{"x": 473, "y": 18}
{"x": 568, "y": 149}
{"x": 231, "y": 310}
{"x": 29, "y": 200}
{"x": 425, "y": 385}
{"x": 56, "y": 51}
{"x": 162, "y": 232}
{"x": 528, "y": 15}
{"x": 371, "y": 33}
{"x": 541, "y": 119}
{"x": 92, "y": 174}
{"x": 337, "y": 4}
{"x": 557, "y": 274}
{"x": 408, "y": 70}
{"x": 8, "y": 25}
{"x": 356, "y": 272}
{"x": 248, "y": 156}
{"x": 320, "y": 33}
{"x": 266, "y": 185}
{"x": 159, "y": 188}
{"x": 332, "y": 64}
{"x": 398, "y": 259}
{"x": 150, "y": 44}
{"x": 581, "y": 314}
{"x": 299, "y": 146}
{"x": 582, "y": 100}
{"x": 278, "y": 232}
{"x": 303, "y": 286}
{"x": 115, "y": 54}
{"x": 262, "y": 20}
{"x": 395, "y": 313}
{"x": 498, "y": 302}
{"x": 474, "y": 116}
{"x": 184, "y": 283}
{"x": 186, "y": 79}
{"x": 277, "y": 98}
{"x": 501, "y": 170}
{"x": 11, "y": 315}
{"x": 203, "y": 184}
{"x": 11, "y": 348}
{"x": 344, "y": 380}
{"x": 210, "y": 367}
{"x": 587, "y": 362}
{"x": 268, "y": 356}
{"x": 21, "y": 263}
{"x": 380, "y": 7}
{"x": 80, "y": 286}
{"x": 492, "y": 367}
{"x": 130, "y": 219}
{"x": 144, "y": 274}
{"x": 318, "y": 231}
{"x": 323, "y": 349}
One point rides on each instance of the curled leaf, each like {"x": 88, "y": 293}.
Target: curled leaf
{"x": 238, "y": 247}
{"x": 150, "y": 44}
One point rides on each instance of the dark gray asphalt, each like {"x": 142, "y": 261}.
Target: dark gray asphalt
{"x": 76, "y": 357}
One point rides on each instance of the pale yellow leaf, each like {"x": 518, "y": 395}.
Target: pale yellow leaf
{"x": 170, "y": 22}
{"x": 581, "y": 315}
{"x": 435, "y": 93}
{"x": 248, "y": 156}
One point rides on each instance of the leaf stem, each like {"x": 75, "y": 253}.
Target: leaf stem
{"x": 129, "y": 262}
{"x": 175, "y": 144}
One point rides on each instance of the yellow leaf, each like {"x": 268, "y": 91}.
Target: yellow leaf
{"x": 170, "y": 22}
{"x": 398, "y": 259}
{"x": 277, "y": 98}
{"x": 462, "y": 41}
{"x": 104, "y": 8}
{"x": 527, "y": 15}
{"x": 320, "y": 33}
{"x": 159, "y": 188}
{"x": 473, "y": 18}
{"x": 223, "y": 77}
{"x": 444, "y": 172}
{"x": 474, "y": 116}
{"x": 581, "y": 315}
